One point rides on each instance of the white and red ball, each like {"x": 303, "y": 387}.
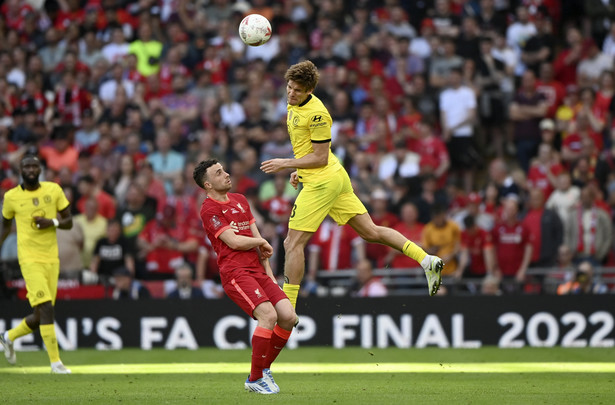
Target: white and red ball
{"x": 254, "y": 30}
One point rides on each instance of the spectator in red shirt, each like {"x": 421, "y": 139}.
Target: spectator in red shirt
{"x": 552, "y": 90}
{"x": 410, "y": 228}
{"x": 544, "y": 170}
{"x": 334, "y": 247}
{"x": 476, "y": 255}
{"x": 513, "y": 246}
{"x": 89, "y": 189}
{"x": 433, "y": 152}
{"x": 71, "y": 100}
{"x": 164, "y": 242}
{"x": 546, "y": 229}
{"x": 567, "y": 60}
{"x": 572, "y": 146}
{"x": 381, "y": 216}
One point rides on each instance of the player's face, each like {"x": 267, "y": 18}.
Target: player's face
{"x": 296, "y": 93}
{"x": 217, "y": 179}
{"x": 30, "y": 170}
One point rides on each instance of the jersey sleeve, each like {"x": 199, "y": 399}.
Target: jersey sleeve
{"x": 320, "y": 123}
{"x": 8, "y": 210}
{"x": 214, "y": 222}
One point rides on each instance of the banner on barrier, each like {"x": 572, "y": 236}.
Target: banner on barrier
{"x": 458, "y": 322}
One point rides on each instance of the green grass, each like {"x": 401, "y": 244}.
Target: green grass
{"x": 319, "y": 376}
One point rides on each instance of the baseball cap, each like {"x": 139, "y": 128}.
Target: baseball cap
{"x": 547, "y": 124}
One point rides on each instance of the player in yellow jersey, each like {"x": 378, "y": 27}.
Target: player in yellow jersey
{"x": 326, "y": 186}
{"x": 35, "y": 206}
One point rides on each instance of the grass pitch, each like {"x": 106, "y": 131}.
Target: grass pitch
{"x": 318, "y": 376}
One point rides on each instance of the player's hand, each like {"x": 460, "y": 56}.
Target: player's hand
{"x": 273, "y": 165}
{"x": 43, "y": 223}
{"x": 294, "y": 179}
{"x": 266, "y": 250}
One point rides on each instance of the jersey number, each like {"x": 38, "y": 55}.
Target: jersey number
{"x": 292, "y": 214}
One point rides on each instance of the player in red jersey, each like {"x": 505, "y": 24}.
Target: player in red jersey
{"x": 247, "y": 278}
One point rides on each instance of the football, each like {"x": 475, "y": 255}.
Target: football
{"x": 254, "y": 30}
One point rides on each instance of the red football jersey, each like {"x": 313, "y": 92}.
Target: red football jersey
{"x": 233, "y": 214}
{"x": 510, "y": 242}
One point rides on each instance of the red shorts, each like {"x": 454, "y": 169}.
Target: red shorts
{"x": 248, "y": 290}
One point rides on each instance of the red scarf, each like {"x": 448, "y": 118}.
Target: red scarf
{"x": 581, "y": 241}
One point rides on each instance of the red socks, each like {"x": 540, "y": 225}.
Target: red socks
{"x": 261, "y": 340}
{"x": 278, "y": 341}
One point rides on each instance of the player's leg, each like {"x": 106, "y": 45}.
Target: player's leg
{"x": 25, "y": 327}
{"x": 247, "y": 293}
{"x": 294, "y": 262}
{"x": 44, "y": 300}
{"x": 311, "y": 207}
{"x": 432, "y": 265}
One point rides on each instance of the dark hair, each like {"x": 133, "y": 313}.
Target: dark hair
{"x": 468, "y": 221}
{"x": 200, "y": 171}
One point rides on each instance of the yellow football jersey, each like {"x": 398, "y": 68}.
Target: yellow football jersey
{"x": 310, "y": 123}
{"x": 35, "y": 245}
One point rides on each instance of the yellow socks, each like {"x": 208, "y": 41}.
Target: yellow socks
{"x": 20, "y": 330}
{"x": 291, "y": 291}
{"x": 414, "y": 251}
{"x": 48, "y": 333}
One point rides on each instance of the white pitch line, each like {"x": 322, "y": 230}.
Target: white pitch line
{"x": 323, "y": 368}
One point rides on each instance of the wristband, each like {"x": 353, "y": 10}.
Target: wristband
{"x": 55, "y": 221}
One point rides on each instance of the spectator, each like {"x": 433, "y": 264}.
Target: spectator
{"x": 115, "y": 51}
{"x": 88, "y": 189}
{"x": 442, "y": 237}
{"x": 333, "y": 247}
{"x": 62, "y": 153}
{"x": 137, "y": 211}
{"x": 148, "y": 51}
{"x": 526, "y": 111}
{"x": 108, "y": 88}
{"x": 589, "y": 231}
{"x": 583, "y": 283}
{"x": 111, "y": 253}
{"x": 368, "y": 284}
{"x": 126, "y": 288}
{"x": 411, "y": 229}
{"x": 444, "y": 63}
{"x": 512, "y": 247}
{"x": 458, "y": 113}
{"x": 70, "y": 246}
{"x": 166, "y": 162}
{"x": 546, "y": 230}
{"x": 568, "y": 59}
{"x": 593, "y": 64}
{"x": 564, "y": 198}
{"x": 185, "y": 288}
{"x": 88, "y": 135}
{"x": 476, "y": 254}
{"x": 93, "y": 226}
{"x": 552, "y": 90}
{"x": 518, "y": 33}
{"x": 163, "y": 242}
{"x": 544, "y": 170}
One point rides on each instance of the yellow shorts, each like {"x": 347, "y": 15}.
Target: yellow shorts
{"x": 41, "y": 282}
{"x": 333, "y": 196}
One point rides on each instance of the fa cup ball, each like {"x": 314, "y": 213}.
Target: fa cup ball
{"x": 254, "y": 30}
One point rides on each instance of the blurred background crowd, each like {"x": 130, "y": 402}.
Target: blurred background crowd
{"x": 482, "y": 129}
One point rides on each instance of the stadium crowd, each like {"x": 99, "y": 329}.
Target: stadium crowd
{"x": 482, "y": 129}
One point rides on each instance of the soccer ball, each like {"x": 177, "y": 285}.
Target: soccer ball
{"x": 254, "y": 30}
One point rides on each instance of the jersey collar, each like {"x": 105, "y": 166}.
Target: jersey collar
{"x": 309, "y": 97}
